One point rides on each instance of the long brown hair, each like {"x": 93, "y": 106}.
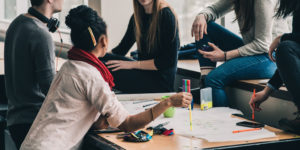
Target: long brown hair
{"x": 244, "y": 10}
{"x": 154, "y": 28}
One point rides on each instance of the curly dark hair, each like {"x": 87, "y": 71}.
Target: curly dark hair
{"x": 78, "y": 20}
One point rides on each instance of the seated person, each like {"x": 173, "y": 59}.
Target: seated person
{"x": 288, "y": 63}
{"x": 154, "y": 28}
{"x": 80, "y": 95}
{"x": 245, "y": 58}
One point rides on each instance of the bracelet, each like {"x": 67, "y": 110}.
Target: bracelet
{"x": 225, "y": 56}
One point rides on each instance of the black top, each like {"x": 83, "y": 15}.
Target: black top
{"x": 276, "y": 80}
{"x": 165, "y": 55}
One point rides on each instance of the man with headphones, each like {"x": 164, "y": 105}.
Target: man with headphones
{"x": 29, "y": 64}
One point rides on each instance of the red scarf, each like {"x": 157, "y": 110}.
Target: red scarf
{"x": 81, "y": 55}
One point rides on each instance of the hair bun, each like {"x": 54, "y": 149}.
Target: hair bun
{"x": 81, "y": 17}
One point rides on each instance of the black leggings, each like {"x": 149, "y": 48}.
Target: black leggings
{"x": 136, "y": 81}
{"x": 288, "y": 63}
{"x": 18, "y": 133}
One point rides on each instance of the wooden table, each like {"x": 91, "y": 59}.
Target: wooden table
{"x": 178, "y": 142}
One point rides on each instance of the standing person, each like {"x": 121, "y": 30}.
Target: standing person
{"x": 80, "y": 96}
{"x": 287, "y": 49}
{"x": 245, "y": 58}
{"x": 29, "y": 64}
{"x": 154, "y": 28}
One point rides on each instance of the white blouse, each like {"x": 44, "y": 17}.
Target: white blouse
{"x": 76, "y": 98}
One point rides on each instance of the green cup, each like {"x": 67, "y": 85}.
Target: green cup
{"x": 169, "y": 113}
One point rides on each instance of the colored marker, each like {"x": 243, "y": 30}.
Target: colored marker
{"x": 253, "y": 96}
{"x": 252, "y": 129}
{"x": 187, "y": 88}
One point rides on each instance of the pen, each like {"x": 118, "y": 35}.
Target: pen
{"x": 149, "y": 104}
{"x": 252, "y": 129}
{"x": 253, "y": 96}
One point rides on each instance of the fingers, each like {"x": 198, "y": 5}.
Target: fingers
{"x": 212, "y": 45}
{"x": 186, "y": 104}
{"x": 251, "y": 105}
{"x": 271, "y": 55}
{"x": 255, "y": 106}
{"x": 113, "y": 62}
{"x": 182, "y": 99}
{"x": 208, "y": 55}
{"x": 201, "y": 31}
{"x": 205, "y": 29}
{"x": 204, "y": 52}
{"x": 197, "y": 32}
{"x": 187, "y": 99}
{"x": 113, "y": 66}
{"x": 117, "y": 68}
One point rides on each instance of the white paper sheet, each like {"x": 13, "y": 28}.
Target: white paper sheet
{"x": 134, "y": 107}
{"x": 214, "y": 125}
{"x": 145, "y": 96}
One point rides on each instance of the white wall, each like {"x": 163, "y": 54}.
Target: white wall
{"x": 116, "y": 13}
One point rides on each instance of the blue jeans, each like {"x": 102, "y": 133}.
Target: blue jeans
{"x": 242, "y": 68}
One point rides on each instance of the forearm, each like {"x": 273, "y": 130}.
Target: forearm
{"x": 232, "y": 54}
{"x": 268, "y": 91}
{"x": 276, "y": 80}
{"x": 140, "y": 120}
{"x": 144, "y": 65}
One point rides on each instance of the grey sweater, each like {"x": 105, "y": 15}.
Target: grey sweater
{"x": 258, "y": 39}
{"x": 29, "y": 68}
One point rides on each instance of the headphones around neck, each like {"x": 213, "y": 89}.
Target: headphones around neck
{"x": 52, "y": 23}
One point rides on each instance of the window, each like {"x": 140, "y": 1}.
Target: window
{"x": 68, "y": 4}
{"x": 12, "y": 8}
{"x": 12, "y": 12}
{"x": 186, "y": 12}
{"x": 9, "y": 9}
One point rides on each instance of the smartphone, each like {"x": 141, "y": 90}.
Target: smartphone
{"x": 250, "y": 124}
{"x": 203, "y": 45}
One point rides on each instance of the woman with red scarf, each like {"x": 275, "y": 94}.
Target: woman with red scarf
{"x": 80, "y": 95}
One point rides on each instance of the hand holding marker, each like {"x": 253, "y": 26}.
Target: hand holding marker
{"x": 187, "y": 88}
{"x": 253, "y": 117}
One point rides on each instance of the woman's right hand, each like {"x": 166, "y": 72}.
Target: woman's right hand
{"x": 273, "y": 47}
{"x": 182, "y": 99}
{"x": 199, "y": 27}
{"x": 259, "y": 98}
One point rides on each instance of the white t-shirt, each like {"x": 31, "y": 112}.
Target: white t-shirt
{"x": 76, "y": 98}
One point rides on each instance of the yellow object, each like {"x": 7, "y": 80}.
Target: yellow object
{"x": 92, "y": 36}
{"x": 190, "y": 110}
{"x": 206, "y": 105}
